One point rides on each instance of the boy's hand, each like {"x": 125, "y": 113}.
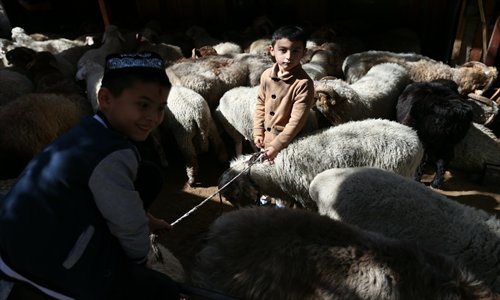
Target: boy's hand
{"x": 271, "y": 153}
{"x": 157, "y": 225}
{"x": 259, "y": 142}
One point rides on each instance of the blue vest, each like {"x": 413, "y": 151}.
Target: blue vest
{"x": 51, "y": 207}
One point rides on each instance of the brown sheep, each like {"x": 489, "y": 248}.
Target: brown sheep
{"x": 266, "y": 253}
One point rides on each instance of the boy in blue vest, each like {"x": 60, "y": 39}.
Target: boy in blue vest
{"x": 75, "y": 223}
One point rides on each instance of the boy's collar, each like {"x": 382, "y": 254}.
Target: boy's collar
{"x": 288, "y": 75}
{"x": 101, "y": 118}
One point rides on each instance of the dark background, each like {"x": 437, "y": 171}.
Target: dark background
{"x": 434, "y": 21}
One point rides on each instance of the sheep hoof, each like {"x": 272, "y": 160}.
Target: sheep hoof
{"x": 436, "y": 184}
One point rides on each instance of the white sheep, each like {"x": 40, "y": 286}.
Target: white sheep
{"x": 260, "y": 47}
{"x": 401, "y": 208}
{"x": 375, "y": 142}
{"x": 112, "y": 40}
{"x": 169, "y": 53}
{"x": 211, "y": 76}
{"x": 292, "y": 254}
{"x": 227, "y": 48}
{"x": 373, "y": 96}
{"x": 53, "y": 46}
{"x": 236, "y": 111}
{"x": 92, "y": 73}
{"x": 471, "y": 77}
{"x": 188, "y": 117}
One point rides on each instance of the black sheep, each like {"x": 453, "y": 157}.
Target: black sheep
{"x": 441, "y": 118}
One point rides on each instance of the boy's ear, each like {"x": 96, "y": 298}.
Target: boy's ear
{"x": 270, "y": 50}
{"x": 103, "y": 97}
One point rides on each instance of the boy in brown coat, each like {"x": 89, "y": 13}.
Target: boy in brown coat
{"x": 286, "y": 93}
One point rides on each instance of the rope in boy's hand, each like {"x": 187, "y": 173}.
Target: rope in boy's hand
{"x": 157, "y": 225}
{"x": 255, "y": 158}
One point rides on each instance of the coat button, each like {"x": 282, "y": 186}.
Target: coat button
{"x": 272, "y": 113}
{"x": 268, "y": 129}
{"x": 273, "y": 96}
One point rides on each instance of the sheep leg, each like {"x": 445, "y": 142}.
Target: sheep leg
{"x": 439, "y": 177}
{"x": 419, "y": 172}
{"x": 192, "y": 171}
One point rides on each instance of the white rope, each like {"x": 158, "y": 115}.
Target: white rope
{"x": 253, "y": 160}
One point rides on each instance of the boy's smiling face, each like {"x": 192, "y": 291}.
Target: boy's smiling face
{"x": 287, "y": 53}
{"x": 137, "y": 110}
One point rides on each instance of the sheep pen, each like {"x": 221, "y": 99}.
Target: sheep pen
{"x": 181, "y": 198}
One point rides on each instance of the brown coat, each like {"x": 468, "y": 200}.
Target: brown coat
{"x": 283, "y": 104}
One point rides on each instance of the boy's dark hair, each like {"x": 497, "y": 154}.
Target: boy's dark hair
{"x": 124, "y": 69}
{"x": 291, "y": 32}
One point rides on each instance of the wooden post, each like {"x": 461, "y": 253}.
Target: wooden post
{"x": 459, "y": 36}
{"x": 491, "y": 54}
{"x": 104, "y": 13}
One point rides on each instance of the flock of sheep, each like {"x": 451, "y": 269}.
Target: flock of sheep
{"x": 364, "y": 228}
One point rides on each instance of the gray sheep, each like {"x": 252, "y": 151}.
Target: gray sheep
{"x": 401, "y": 208}
{"x": 373, "y": 96}
{"x": 323, "y": 60}
{"x": 212, "y": 76}
{"x": 470, "y": 77}
{"x": 375, "y": 142}
{"x": 112, "y": 42}
{"x": 188, "y": 117}
{"x": 479, "y": 148}
{"x": 292, "y": 254}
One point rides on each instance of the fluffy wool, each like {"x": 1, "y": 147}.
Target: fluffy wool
{"x": 374, "y": 142}
{"x": 398, "y": 207}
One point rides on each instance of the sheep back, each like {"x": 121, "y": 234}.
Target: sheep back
{"x": 401, "y": 208}
{"x": 373, "y": 96}
{"x": 190, "y": 120}
{"x": 470, "y": 76}
{"x": 479, "y": 147}
{"x": 33, "y": 121}
{"x": 263, "y": 253}
{"x": 13, "y": 85}
{"x": 374, "y": 142}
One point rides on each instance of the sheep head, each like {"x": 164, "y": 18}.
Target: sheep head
{"x": 328, "y": 100}
{"x": 242, "y": 191}
{"x": 474, "y": 77}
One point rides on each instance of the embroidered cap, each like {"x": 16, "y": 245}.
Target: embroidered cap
{"x": 123, "y": 63}
{"x": 134, "y": 60}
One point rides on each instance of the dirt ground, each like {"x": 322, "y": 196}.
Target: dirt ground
{"x": 185, "y": 238}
